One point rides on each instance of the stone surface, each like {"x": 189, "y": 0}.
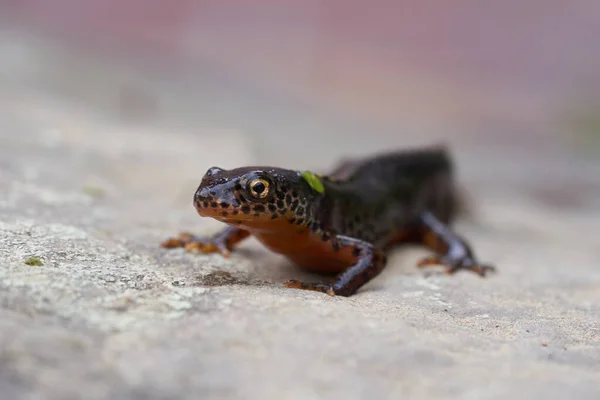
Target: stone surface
{"x": 110, "y": 315}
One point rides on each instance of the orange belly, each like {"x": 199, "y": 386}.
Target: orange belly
{"x": 307, "y": 250}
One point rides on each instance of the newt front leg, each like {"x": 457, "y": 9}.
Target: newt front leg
{"x": 223, "y": 242}
{"x": 368, "y": 263}
{"x": 452, "y": 251}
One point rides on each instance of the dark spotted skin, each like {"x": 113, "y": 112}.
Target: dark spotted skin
{"x": 367, "y": 207}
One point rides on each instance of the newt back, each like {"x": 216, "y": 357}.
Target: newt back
{"x": 374, "y": 198}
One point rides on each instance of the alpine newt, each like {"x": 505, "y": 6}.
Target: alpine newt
{"x": 345, "y": 222}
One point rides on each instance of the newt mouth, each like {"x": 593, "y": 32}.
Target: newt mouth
{"x": 229, "y": 213}
{"x": 215, "y": 208}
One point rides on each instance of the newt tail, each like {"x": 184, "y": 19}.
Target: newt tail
{"x": 344, "y": 223}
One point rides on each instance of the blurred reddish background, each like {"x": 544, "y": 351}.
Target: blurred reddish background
{"x": 393, "y": 62}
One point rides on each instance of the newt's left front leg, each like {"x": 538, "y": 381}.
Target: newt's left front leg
{"x": 223, "y": 242}
{"x": 368, "y": 263}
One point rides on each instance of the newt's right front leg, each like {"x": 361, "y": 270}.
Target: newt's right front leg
{"x": 367, "y": 262}
{"x": 223, "y": 242}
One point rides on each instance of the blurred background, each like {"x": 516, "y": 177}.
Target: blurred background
{"x": 307, "y": 82}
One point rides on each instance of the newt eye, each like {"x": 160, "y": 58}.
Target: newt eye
{"x": 259, "y": 188}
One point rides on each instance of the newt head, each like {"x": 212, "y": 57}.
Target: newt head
{"x": 255, "y": 197}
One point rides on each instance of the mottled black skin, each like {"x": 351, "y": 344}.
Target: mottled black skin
{"x": 383, "y": 195}
{"x": 367, "y": 207}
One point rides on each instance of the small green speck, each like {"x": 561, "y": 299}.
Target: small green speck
{"x": 34, "y": 261}
{"x": 77, "y": 344}
{"x": 313, "y": 181}
{"x": 93, "y": 191}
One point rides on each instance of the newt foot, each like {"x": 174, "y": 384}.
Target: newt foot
{"x": 193, "y": 243}
{"x": 453, "y": 265}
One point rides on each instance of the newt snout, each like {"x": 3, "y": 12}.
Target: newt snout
{"x": 216, "y": 196}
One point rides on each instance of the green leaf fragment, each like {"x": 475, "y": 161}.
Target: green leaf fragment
{"x": 33, "y": 261}
{"x": 93, "y": 191}
{"x": 314, "y": 182}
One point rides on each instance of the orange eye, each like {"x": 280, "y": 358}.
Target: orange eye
{"x": 259, "y": 188}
